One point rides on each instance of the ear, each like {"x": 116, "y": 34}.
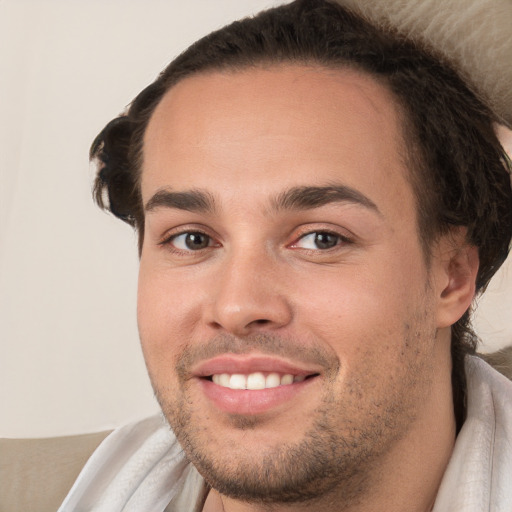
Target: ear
{"x": 456, "y": 264}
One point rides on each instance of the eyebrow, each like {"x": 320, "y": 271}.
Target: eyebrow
{"x": 296, "y": 198}
{"x": 191, "y": 200}
{"x": 307, "y": 198}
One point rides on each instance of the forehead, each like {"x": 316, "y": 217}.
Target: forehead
{"x": 274, "y": 127}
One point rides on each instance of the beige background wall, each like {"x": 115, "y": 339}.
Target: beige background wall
{"x": 69, "y": 355}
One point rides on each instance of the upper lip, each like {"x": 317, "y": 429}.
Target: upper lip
{"x": 247, "y": 364}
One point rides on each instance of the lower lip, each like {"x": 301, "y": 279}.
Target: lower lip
{"x": 250, "y": 402}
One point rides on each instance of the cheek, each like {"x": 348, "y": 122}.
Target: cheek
{"x": 164, "y": 314}
{"x": 353, "y": 299}
{"x": 365, "y": 312}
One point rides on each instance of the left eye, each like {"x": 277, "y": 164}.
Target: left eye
{"x": 191, "y": 241}
{"x": 319, "y": 240}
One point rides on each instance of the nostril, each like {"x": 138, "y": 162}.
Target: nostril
{"x": 261, "y": 321}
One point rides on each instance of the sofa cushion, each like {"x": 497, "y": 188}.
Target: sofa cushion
{"x": 36, "y": 474}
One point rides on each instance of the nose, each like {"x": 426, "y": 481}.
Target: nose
{"x": 249, "y": 296}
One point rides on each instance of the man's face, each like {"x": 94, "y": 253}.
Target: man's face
{"x": 281, "y": 253}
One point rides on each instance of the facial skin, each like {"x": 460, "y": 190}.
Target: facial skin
{"x": 281, "y": 237}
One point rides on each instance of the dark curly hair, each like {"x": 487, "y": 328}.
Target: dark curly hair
{"x": 459, "y": 171}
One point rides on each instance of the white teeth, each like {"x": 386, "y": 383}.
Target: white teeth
{"x": 286, "y": 379}
{"x": 273, "y": 380}
{"x": 255, "y": 380}
{"x": 224, "y": 380}
{"x": 237, "y": 381}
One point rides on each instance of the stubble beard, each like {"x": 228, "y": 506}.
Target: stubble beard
{"x": 338, "y": 456}
{"x": 284, "y": 473}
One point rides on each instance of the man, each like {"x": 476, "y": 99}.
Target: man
{"x": 317, "y": 200}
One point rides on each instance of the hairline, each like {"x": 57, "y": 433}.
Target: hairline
{"x": 409, "y": 147}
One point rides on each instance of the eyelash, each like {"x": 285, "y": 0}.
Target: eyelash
{"x": 167, "y": 241}
{"x": 341, "y": 241}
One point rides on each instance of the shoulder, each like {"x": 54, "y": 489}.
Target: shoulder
{"x": 480, "y": 469}
{"x": 488, "y": 390}
{"x": 500, "y": 360}
{"x": 138, "y": 467}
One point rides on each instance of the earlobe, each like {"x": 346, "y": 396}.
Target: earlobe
{"x": 458, "y": 267}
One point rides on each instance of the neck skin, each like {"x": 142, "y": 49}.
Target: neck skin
{"x": 407, "y": 477}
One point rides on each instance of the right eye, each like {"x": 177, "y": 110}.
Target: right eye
{"x": 320, "y": 240}
{"x": 190, "y": 241}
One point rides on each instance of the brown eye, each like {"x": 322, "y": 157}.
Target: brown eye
{"x": 191, "y": 241}
{"x": 319, "y": 240}
{"x": 326, "y": 240}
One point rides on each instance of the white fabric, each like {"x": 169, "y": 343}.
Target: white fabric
{"x": 138, "y": 468}
{"x": 479, "y": 475}
{"x": 142, "y": 468}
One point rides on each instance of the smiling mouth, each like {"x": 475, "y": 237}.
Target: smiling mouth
{"x": 257, "y": 380}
